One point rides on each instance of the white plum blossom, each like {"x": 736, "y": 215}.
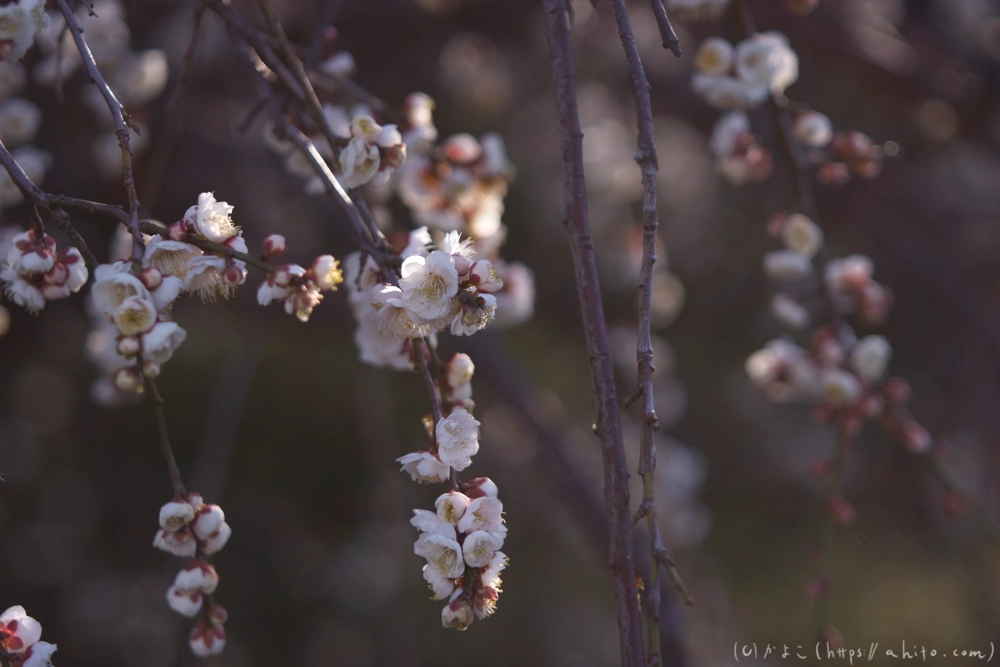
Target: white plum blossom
{"x": 714, "y": 56}
{"x": 217, "y": 540}
{"x": 113, "y": 284}
{"x": 458, "y": 439}
{"x": 429, "y": 522}
{"x": 470, "y": 319}
{"x": 840, "y": 387}
{"x": 207, "y": 640}
{"x": 478, "y": 548}
{"x": 210, "y": 518}
{"x": 813, "y": 129}
{"x": 457, "y": 615}
{"x": 442, "y": 586}
{"x": 169, "y": 257}
{"x": 159, "y": 343}
{"x": 141, "y": 77}
{"x": 212, "y": 219}
{"x": 179, "y": 543}
{"x": 765, "y": 60}
{"x": 442, "y": 553}
{"x": 424, "y": 467}
{"x": 197, "y": 576}
{"x": 484, "y": 277}
{"x": 481, "y": 514}
{"x": 19, "y": 121}
{"x": 428, "y": 285}
{"x": 789, "y": 312}
{"x": 176, "y": 514}
{"x": 727, "y": 130}
{"x": 451, "y": 507}
{"x": 723, "y": 91}
{"x": 870, "y": 357}
{"x": 19, "y": 23}
{"x": 361, "y": 159}
{"x": 135, "y": 315}
{"x": 802, "y": 235}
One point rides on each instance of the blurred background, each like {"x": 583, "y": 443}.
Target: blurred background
{"x": 282, "y": 425}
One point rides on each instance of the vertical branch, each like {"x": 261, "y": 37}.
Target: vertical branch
{"x": 423, "y": 352}
{"x": 829, "y": 529}
{"x": 119, "y": 115}
{"x": 165, "y": 448}
{"x": 646, "y": 158}
{"x": 608, "y": 426}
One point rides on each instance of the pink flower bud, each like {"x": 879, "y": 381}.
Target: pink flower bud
{"x": 178, "y": 231}
{"x": 484, "y": 276}
{"x": 233, "y": 275}
{"x": 56, "y": 275}
{"x": 151, "y": 277}
{"x": 394, "y": 156}
{"x": 282, "y": 278}
{"x": 209, "y": 519}
{"x": 197, "y": 576}
{"x": 480, "y": 487}
{"x": 185, "y": 603}
{"x": 217, "y": 540}
{"x": 217, "y": 614}
{"x": 178, "y": 542}
{"x": 151, "y": 369}
{"x": 195, "y": 500}
{"x": 207, "y": 640}
{"x": 457, "y": 615}
{"x": 273, "y": 245}
{"x": 56, "y": 292}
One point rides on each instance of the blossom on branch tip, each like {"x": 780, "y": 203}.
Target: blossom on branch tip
{"x": 176, "y": 514}
{"x": 207, "y": 640}
{"x": 457, "y": 615}
{"x": 212, "y": 219}
{"x": 18, "y": 631}
{"x": 428, "y": 285}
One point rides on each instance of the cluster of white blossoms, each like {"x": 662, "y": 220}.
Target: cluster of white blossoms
{"x": 137, "y": 78}
{"x": 19, "y": 640}
{"x": 32, "y": 272}
{"x": 739, "y": 155}
{"x": 743, "y": 76}
{"x": 449, "y": 287}
{"x": 20, "y": 21}
{"x": 461, "y": 541}
{"x": 300, "y": 289}
{"x": 192, "y": 529}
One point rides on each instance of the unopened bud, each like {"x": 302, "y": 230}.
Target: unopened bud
{"x": 178, "y": 231}
{"x": 56, "y": 275}
{"x": 127, "y": 380}
{"x": 217, "y": 614}
{"x": 151, "y": 369}
{"x": 282, "y": 278}
{"x": 273, "y": 245}
{"x": 233, "y": 275}
{"x": 457, "y": 615}
{"x": 128, "y": 346}
{"x": 394, "y": 156}
{"x": 151, "y": 277}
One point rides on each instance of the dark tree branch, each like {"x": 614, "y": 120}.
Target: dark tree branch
{"x": 608, "y": 426}
{"x": 165, "y": 448}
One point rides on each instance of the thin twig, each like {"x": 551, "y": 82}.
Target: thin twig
{"x": 829, "y": 528}
{"x": 122, "y": 123}
{"x": 608, "y": 426}
{"x": 646, "y": 158}
{"x": 433, "y": 395}
{"x": 165, "y": 448}
{"x": 667, "y": 34}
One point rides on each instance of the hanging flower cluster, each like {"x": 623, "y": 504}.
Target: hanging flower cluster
{"x": 189, "y": 528}
{"x": 743, "y": 76}
{"x": 34, "y": 272}
{"x": 19, "y": 640}
{"x": 462, "y": 539}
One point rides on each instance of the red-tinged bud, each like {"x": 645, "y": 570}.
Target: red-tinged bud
{"x": 462, "y": 264}
{"x": 841, "y": 510}
{"x": 821, "y": 470}
{"x": 282, "y": 278}
{"x": 776, "y": 224}
{"x": 817, "y": 588}
{"x": 273, "y": 245}
{"x": 916, "y": 438}
{"x": 233, "y": 275}
{"x": 68, "y": 256}
{"x": 151, "y": 277}
{"x": 897, "y": 391}
{"x": 953, "y": 504}
{"x": 217, "y": 614}
{"x": 50, "y": 243}
{"x": 178, "y": 231}
{"x": 833, "y": 173}
{"x": 128, "y": 346}
{"x": 56, "y": 275}
{"x": 480, "y": 487}
{"x": 151, "y": 369}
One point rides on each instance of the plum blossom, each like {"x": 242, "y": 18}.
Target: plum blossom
{"x": 479, "y": 547}
{"x": 481, "y": 514}
{"x": 207, "y": 640}
{"x": 451, "y": 507}
{"x": 870, "y": 357}
{"x": 457, "y": 439}
{"x": 19, "y": 23}
{"x": 442, "y": 553}
{"x": 371, "y": 154}
{"x": 424, "y": 467}
{"x": 211, "y": 219}
{"x": 428, "y": 285}
{"x": 18, "y": 631}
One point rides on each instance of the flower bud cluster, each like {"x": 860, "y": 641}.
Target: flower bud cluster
{"x": 192, "y": 529}
{"x": 461, "y": 542}
{"x": 34, "y": 272}
{"x": 739, "y": 155}
{"x": 300, "y": 289}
